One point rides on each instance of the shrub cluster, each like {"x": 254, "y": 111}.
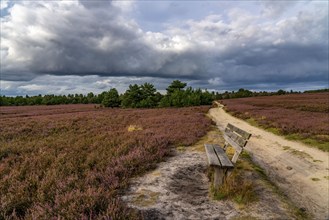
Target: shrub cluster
{"x": 303, "y": 114}
{"x": 70, "y": 162}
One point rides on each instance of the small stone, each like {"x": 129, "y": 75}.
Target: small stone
{"x": 289, "y": 168}
{"x": 302, "y": 209}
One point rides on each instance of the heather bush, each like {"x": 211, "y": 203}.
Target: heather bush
{"x": 71, "y": 163}
{"x": 302, "y": 115}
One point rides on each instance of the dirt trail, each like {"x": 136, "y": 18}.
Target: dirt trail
{"x": 179, "y": 187}
{"x": 300, "y": 171}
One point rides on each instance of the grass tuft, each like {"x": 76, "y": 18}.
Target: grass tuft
{"x": 237, "y": 186}
{"x": 132, "y": 128}
{"x": 145, "y": 198}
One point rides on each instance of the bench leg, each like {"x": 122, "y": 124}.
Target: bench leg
{"x": 229, "y": 172}
{"x": 218, "y": 177}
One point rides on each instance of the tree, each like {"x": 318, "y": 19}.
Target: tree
{"x": 175, "y": 85}
{"x": 111, "y": 99}
{"x": 143, "y": 96}
{"x": 132, "y": 97}
{"x": 148, "y": 96}
{"x": 91, "y": 97}
{"x": 164, "y": 102}
{"x": 241, "y": 93}
{"x": 177, "y": 98}
{"x": 281, "y": 92}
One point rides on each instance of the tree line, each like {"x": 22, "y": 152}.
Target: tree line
{"x": 142, "y": 96}
{"x": 136, "y": 96}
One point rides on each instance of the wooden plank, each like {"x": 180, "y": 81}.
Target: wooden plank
{"x": 232, "y": 143}
{"x": 212, "y": 157}
{"x": 235, "y": 156}
{"x": 219, "y": 177}
{"x": 224, "y": 160}
{"x": 236, "y": 138}
{"x": 230, "y": 126}
{"x": 245, "y": 135}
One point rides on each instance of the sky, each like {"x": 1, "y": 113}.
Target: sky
{"x": 73, "y": 46}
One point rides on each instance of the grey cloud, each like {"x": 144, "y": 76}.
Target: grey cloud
{"x": 276, "y": 8}
{"x": 98, "y": 38}
{"x": 88, "y": 40}
{"x": 279, "y": 64}
{"x": 70, "y": 84}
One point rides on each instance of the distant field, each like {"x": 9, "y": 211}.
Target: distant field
{"x": 302, "y": 117}
{"x": 71, "y": 161}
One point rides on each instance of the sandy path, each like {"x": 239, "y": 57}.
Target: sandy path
{"x": 300, "y": 171}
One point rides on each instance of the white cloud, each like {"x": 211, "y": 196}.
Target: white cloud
{"x": 4, "y": 4}
{"x": 32, "y": 87}
{"x": 125, "y": 6}
{"x": 217, "y": 81}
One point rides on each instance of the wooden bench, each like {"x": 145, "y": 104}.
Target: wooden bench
{"x": 217, "y": 157}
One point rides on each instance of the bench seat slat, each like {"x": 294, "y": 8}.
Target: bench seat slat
{"x": 224, "y": 160}
{"x": 212, "y": 157}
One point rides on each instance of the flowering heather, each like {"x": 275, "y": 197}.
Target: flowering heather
{"x": 304, "y": 115}
{"x": 71, "y": 161}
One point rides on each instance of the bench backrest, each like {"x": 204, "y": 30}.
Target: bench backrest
{"x": 237, "y": 138}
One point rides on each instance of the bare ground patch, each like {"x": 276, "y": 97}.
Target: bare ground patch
{"x": 180, "y": 189}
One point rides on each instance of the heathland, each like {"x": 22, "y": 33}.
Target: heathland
{"x": 297, "y": 116}
{"x": 75, "y": 161}
{"x": 71, "y": 161}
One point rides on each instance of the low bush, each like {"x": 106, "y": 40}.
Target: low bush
{"x": 301, "y": 117}
{"x": 63, "y": 163}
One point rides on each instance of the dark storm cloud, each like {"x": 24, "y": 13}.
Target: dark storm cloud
{"x": 289, "y": 63}
{"x": 224, "y": 48}
{"x": 89, "y": 39}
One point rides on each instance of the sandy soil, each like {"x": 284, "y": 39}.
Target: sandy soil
{"x": 179, "y": 189}
{"x": 299, "y": 171}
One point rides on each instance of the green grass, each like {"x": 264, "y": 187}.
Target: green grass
{"x": 310, "y": 141}
{"x": 286, "y": 148}
{"x": 274, "y": 130}
{"x": 252, "y": 122}
{"x": 300, "y": 154}
{"x": 237, "y": 188}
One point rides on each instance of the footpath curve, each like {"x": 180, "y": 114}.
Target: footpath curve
{"x": 301, "y": 172}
